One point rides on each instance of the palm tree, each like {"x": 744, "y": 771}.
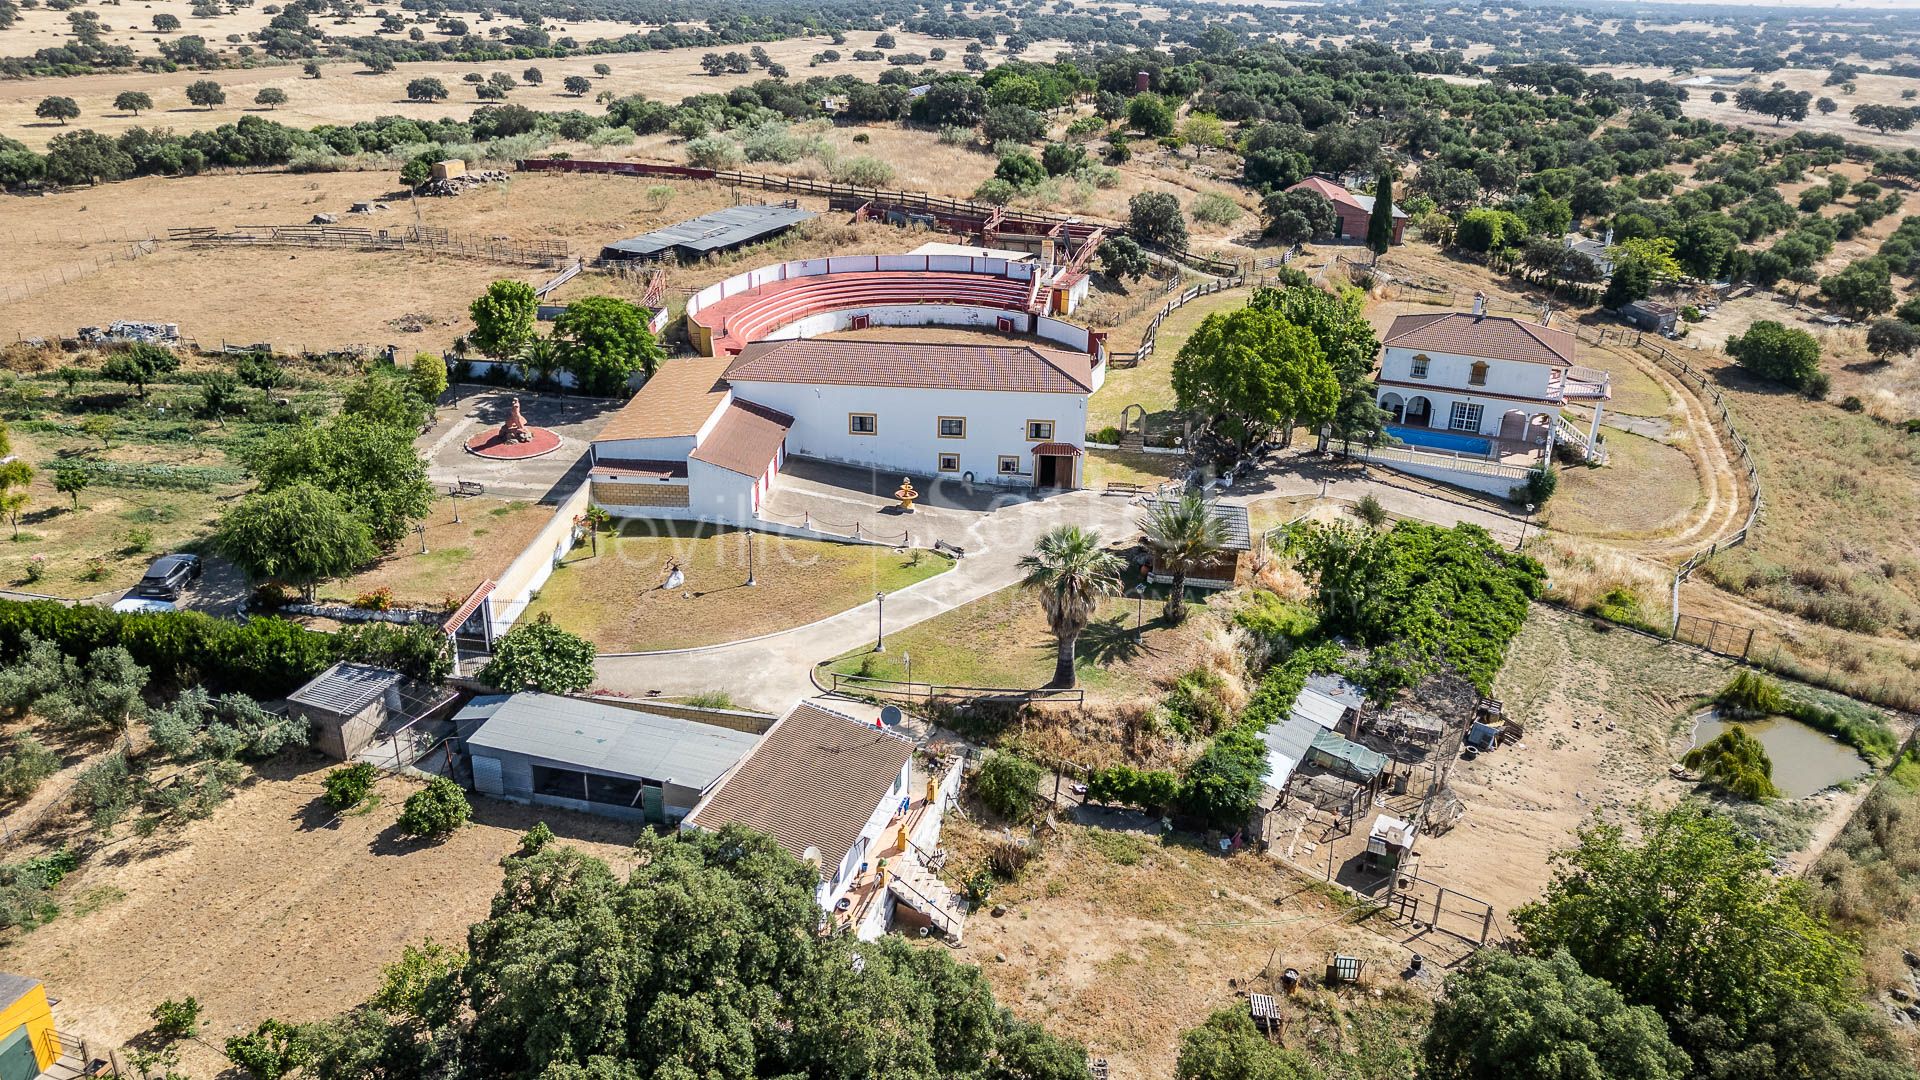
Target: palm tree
{"x": 1183, "y": 535}
{"x": 1070, "y": 572}
{"x": 540, "y": 357}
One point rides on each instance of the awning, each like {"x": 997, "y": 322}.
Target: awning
{"x": 467, "y": 607}
{"x": 1056, "y": 449}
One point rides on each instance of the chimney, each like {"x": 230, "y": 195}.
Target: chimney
{"x": 1479, "y": 305}
{"x": 1141, "y": 82}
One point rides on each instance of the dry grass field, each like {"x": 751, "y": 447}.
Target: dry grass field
{"x": 1124, "y": 939}
{"x": 56, "y": 273}
{"x": 272, "y": 907}
{"x": 1871, "y": 89}
{"x": 346, "y": 93}
{"x": 132, "y": 26}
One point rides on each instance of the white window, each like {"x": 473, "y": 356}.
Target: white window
{"x": 1009, "y": 465}
{"x": 1466, "y": 416}
{"x": 1418, "y": 369}
{"x": 949, "y": 462}
{"x": 953, "y": 427}
{"x": 1039, "y": 430}
{"x": 862, "y": 423}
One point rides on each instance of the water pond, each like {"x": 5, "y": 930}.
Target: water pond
{"x": 1804, "y": 760}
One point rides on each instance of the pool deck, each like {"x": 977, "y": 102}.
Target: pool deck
{"x": 1503, "y": 451}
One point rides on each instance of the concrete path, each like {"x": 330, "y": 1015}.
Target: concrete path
{"x": 772, "y": 672}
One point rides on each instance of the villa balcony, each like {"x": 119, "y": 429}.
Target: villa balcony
{"x": 1582, "y": 384}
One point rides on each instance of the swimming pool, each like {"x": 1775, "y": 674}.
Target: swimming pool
{"x": 1441, "y": 440}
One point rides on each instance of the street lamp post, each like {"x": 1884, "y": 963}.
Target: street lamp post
{"x": 880, "y": 622}
{"x": 751, "y": 580}
{"x": 1523, "y": 526}
{"x": 1139, "y": 610}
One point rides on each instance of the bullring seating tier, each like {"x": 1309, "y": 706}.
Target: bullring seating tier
{"x": 726, "y": 326}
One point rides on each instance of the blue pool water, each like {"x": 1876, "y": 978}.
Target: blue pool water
{"x": 1440, "y": 440}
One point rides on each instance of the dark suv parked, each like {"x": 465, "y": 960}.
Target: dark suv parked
{"x": 168, "y": 575}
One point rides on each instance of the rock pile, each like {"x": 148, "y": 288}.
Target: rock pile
{"x": 454, "y": 185}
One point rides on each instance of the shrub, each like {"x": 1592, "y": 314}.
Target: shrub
{"x": 348, "y": 786}
{"x": 1215, "y": 209}
{"x": 1736, "y": 763}
{"x": 177, "y": 1019}
{"x": 864, "y": 170}
{"x": 1369, "y": 510}
{"x": 435, "y": 810}
{"x": 1541, "y": 483}
{"x": 1196, "y": 703}
{"x": 380, "y": 599}
{"x": 1152, "y": 790}
{"x": 1788, "y": 356}
{"x": 1109, "y": 435}
{"x": 1751, "y": 694}
{"x": 713, "y": 152}
{"x": 26, "y": 764}
{"x": 1008, "y": 784}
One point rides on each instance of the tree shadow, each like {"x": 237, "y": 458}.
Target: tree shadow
{"x": 392, "y": 841}
{"x": 317, "y": 815}
{"x": 1112, "y": 640}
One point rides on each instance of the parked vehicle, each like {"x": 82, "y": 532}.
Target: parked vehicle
{"x": 168, "y": 576}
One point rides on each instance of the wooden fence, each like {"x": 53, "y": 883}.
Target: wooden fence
{"x": 414, "y": 239}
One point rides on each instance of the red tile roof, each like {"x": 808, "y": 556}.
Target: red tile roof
{"x": 1496, "y": 337}
{"x": 813, "y": 782}
{"x": 1057, "y": 449}
{"x": 676, "y": 402}
{"x": 745, "y": 440}
{"x": 915, "y": 365}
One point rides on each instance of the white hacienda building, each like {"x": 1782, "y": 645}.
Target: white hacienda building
{"x": 1484, "y": 375}
{"x": 706, "y": 437}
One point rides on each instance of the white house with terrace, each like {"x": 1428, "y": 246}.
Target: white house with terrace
{"x": 706, "y": 437}
{"x": 1488, "y": 389}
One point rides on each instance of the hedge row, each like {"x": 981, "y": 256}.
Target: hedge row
{"x": 262, "y": 658}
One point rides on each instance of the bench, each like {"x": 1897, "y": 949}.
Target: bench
{"x": 954, "y": 550}
{"x": 465, "y": 488}
{"x": 1120, "y": 487}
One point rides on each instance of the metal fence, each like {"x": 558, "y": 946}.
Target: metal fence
{"x": 835, "y": 682}
{"x": 55, "y": 277}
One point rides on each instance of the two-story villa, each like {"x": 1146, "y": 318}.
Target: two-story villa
{"x": 1455, "y": 380}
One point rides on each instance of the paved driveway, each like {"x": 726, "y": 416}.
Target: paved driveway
{"x": 472, "y": 410}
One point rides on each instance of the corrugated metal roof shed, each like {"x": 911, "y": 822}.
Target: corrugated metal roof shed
{"x": 344, "y": 689}
{"x": 610, "y": 739}
{"x": 1287, "y": 746}
{"x": 717, "y": 231}
{"x": 1319, "y": 708}
{"x": 1339, "y": 689}
{"x": 1233, "y": 522}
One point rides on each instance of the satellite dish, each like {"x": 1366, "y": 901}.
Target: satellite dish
{"x": 890, "y": 716}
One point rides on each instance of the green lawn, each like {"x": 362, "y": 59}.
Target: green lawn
{"x": 615, "y": 598}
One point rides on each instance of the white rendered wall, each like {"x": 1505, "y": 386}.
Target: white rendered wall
{"x": 1513, "y": 378}
{"x": 908, "y": 437}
